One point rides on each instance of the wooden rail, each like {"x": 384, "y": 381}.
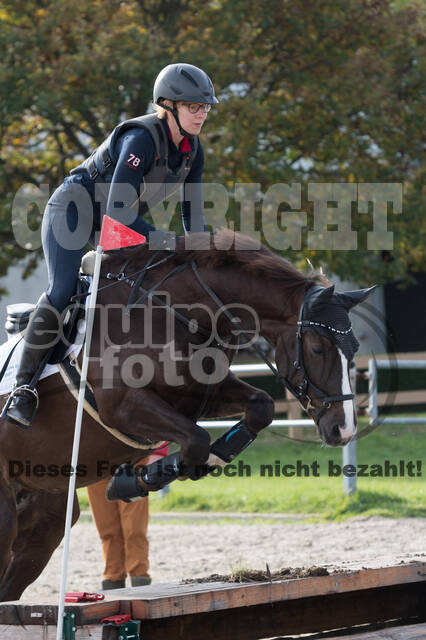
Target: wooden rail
{"x": 221, "y": 611}
{"x": 361, "y": 362}
{"x": 292, "y": 407}
{"x": 383, "y": 399}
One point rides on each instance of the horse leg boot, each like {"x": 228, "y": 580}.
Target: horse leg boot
{"x": 40, "y": 336}
{"x": 130, "y": 483}
{"x": 230, "y": 444}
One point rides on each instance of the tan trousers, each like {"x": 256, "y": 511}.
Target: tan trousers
{"x": 122, "y": 528}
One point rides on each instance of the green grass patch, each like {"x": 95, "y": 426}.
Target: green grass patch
{"x": 262, "y": 483}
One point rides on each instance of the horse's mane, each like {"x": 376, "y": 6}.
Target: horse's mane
{"x": 227, "y": 248}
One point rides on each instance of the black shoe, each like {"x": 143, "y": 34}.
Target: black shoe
{"x": 113, "y": 584}
{"x": 140, "y": 581}
{"x": 40, "y": 337}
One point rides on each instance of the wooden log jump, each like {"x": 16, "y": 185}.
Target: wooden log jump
{"x": 221, "y": 611}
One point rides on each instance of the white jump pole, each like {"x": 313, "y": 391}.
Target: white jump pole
{"x": 76, "y": 443}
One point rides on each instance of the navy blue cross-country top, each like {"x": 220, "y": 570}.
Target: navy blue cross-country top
{"x": 133, "y": 154}
{"x": 136, "y": 151}
{"x": 69, "y": 222}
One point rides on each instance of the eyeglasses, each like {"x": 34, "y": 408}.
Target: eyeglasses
{"x": 193, "y": 107}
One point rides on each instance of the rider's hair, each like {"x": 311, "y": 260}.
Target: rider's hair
{"x": 161, "y": 113}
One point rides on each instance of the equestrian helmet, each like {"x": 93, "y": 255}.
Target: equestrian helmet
{"x": 182, "y": 81}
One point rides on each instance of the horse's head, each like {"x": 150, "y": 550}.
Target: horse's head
{"x": 315, "y": 358}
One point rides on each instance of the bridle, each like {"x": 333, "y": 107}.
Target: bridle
{"x": 299, "y": 391}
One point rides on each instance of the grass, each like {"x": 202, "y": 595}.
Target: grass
{"x": 265, "y": 489}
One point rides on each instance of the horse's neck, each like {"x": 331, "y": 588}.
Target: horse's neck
{"x": 259, "y": 297}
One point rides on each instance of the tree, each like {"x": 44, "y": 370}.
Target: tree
{"x": 327, "y": 92}
{"x": 311, "y": 91}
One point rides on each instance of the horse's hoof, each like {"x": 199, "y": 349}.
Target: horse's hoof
{"x": 124, "y": 485}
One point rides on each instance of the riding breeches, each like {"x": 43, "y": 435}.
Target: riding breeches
{"x": 70, "y": 221}
{"x": 66, "y": 229}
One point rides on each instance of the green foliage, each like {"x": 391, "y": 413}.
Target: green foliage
{"x": 327, "y": 91}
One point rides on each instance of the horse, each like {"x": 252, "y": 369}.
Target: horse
{"x": 167, "y": 325}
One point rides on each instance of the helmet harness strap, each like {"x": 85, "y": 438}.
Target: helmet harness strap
{"x": 175, "y": 114}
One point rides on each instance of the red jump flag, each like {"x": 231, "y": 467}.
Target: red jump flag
{"x": 115, "y": 235}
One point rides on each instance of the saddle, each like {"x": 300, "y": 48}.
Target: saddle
{"x": 62, "y": 357}
{"x": 18, "y": 316}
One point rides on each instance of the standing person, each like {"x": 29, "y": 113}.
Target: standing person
{"x": 122, "y": 528}
{"x": 142, "y": 161}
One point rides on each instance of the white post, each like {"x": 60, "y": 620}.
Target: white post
{"x": 349, "y": 451}
{"x": 76, "y": 443}
{"x": 372, "y": 391}
{"x": 349, "y": 457}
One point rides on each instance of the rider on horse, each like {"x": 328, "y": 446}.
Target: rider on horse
{"x": 141, "y": 162}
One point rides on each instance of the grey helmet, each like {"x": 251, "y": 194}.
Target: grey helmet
{"x": 183, "y": 81}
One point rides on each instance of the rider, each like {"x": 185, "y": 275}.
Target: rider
{"x": 141, "y": 162}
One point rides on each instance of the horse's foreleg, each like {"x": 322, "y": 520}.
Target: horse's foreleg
{"x": 236, "y": 397}
{"x": 148, "y": 415}
{"x": 130, "y": 484}
{"x": 41, "y": 518}
{"x": 143, "y": 413}
{"x": 233, "y": 397}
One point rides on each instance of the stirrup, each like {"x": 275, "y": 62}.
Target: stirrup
{"x": 25, "y": 387}
{"x": 14, "y": 394}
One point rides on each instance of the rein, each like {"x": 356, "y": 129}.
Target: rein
{"x": 136, "y": 285}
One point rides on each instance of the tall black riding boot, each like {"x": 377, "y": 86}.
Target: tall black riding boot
{"x": 40, "y": 336}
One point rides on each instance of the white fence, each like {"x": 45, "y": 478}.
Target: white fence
{"x": 373, "y": 409}
{"x": 349, "y": 453}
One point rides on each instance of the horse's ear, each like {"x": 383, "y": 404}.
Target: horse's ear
{"x": 324, "y": 295}
{"x": 318, "y": 296}
{"x": 351, "y": 298}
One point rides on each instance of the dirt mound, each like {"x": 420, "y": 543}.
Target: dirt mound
{"x": 245, "y": 575}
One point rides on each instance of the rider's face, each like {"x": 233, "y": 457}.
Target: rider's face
{"x": 191, "y": 122}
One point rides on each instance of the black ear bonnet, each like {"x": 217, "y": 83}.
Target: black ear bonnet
{"x": 327, "y": 312}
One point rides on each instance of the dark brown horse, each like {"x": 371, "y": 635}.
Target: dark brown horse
{"x": 154, "y": 375}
